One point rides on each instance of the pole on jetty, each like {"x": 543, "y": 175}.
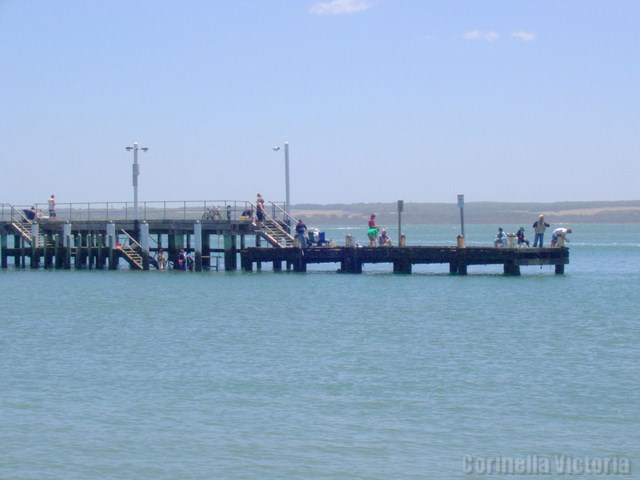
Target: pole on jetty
{"x": 136, "y": 173}
{"x": 400, "y": 209}
{"x": 287, "y": 202}
{"x": 461, "y": 205}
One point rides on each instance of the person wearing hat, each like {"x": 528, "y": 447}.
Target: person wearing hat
{"x": 539, "y": 226}
{"x": 521, "y": 238}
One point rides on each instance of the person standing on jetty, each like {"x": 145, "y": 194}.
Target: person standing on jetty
{"x": 260, "y": 208}
{"x": 372, "y": 222}
{"x": 52, "y": 206}
{"x": 539, "y": 226}
{"x": 301, "y": 233}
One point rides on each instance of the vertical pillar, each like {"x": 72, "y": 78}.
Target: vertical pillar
{"x": 144, "y": 242}
{"x": 258, "y": 244}
{"x": 58, "y": 251}
{"x": 100, "y": 251}
{"x": 510, "y": 268}
{"x": 3, "y": 251}
{"x": 22, "y": 261}
{"x": 206, "y": 250}
{"x": 230, "y": 253}
{"x": 79, "y": 257}
{"x": 111, "y": 245}
{"x": 35, "y": 240}
{"x": 66, "y": 244}
{"x": 197, "y": 244}
{"x": 46, "y": 250}
{"x": 560, "y": 269}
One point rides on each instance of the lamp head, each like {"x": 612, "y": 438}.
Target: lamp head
{"x": 144, "y": 149}
{"x": 129, "y": 149}
{"x": 275, "y": 149}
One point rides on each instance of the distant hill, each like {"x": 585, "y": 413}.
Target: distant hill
{"x": 494, "y": 213}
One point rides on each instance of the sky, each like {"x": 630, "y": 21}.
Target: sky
{"x": 379, "y": 100}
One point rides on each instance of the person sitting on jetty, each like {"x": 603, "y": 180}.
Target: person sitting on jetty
{"x": 501, "y": 239}
{"x": 539, "y": 227}
{"x": 383, "y": 239}
{"x": 521, "y": 238}
{"x": 559, "y": 236}
{"x": 301, "y": 233}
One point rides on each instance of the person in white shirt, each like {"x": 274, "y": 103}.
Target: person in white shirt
{"x": 559, "y": 233}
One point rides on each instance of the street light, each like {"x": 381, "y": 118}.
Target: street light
{"x": 136, "y": 172}
{"x": 287, "y": 203}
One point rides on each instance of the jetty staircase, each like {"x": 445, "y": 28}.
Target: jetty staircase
{"x": 130, "y": 253}
{"x": 22, "y": 225}
{"x": 276, "y": 232}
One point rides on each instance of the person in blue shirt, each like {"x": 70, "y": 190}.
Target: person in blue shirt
{"x": 301, "y": 233}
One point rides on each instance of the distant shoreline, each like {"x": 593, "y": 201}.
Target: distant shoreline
{"x": 610, "y": 212}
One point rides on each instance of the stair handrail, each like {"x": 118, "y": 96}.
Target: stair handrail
{"x": 288, "y": 218}
{"x": 277, "y": 224}
{"x": 22, "y": 218}
{"x": 131, "y": 239}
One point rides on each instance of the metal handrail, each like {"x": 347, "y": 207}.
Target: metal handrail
{"x": 288, "y": 218}
{"x": 119, "y": 211}
{"x": 131, "y": 239}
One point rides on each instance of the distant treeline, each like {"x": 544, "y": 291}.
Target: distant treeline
{"x": 494, "y": 213}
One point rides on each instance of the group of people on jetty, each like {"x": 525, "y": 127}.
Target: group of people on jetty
{"x": 38, "y": 214}
{"x": 377, "y": 236}
{"x": 558, "y": 237}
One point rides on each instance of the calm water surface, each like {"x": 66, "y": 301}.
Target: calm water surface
{"x": 166, "y": 375}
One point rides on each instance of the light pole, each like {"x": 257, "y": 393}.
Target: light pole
{"x": 136, "y": 172}
{"x": 287, "y": 202}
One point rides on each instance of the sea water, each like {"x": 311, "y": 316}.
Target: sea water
{"x": 283, "y": 375}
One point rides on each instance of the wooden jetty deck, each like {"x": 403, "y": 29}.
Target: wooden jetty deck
{"x": 352, "y": 259}
{"x": 80, "y": 242}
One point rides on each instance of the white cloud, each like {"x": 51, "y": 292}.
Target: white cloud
{"x": 340, "y": 7}
{"x": 524, "y": 36}
{"x": 480, "y": 35}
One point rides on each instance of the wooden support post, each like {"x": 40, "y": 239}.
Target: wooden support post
{"x": 197, "y": 242}
{"x": 246, "y": 260}
{"x": 99, "y": 251}
{"x": 402, "y": 265}
{"x": 300, "y": 264}
{"x": 3, "y": 251}
{"x": 144, "y": 241}
{"x": 258, "y": 244}
{"x": 23, "y": 253}
{"x": 230, "y": 253}
{"x": 35, "y": 238}
{"x": 58, "y": 251}
{"x": 560, "y": 269}
{"x": 277, "y": 266}
{"x": 80, "y": 257}
{"x": 206, "y": 251}
{"x": 510, "y": 268}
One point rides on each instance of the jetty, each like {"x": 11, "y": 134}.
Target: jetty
{"x": 212, "y": 235}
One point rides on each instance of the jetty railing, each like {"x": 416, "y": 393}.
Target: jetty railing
{"x": 279, "y": 213}
{"x": 119, "y": 211}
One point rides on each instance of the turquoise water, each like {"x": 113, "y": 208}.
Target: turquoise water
{"x": 165, "y": 375}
